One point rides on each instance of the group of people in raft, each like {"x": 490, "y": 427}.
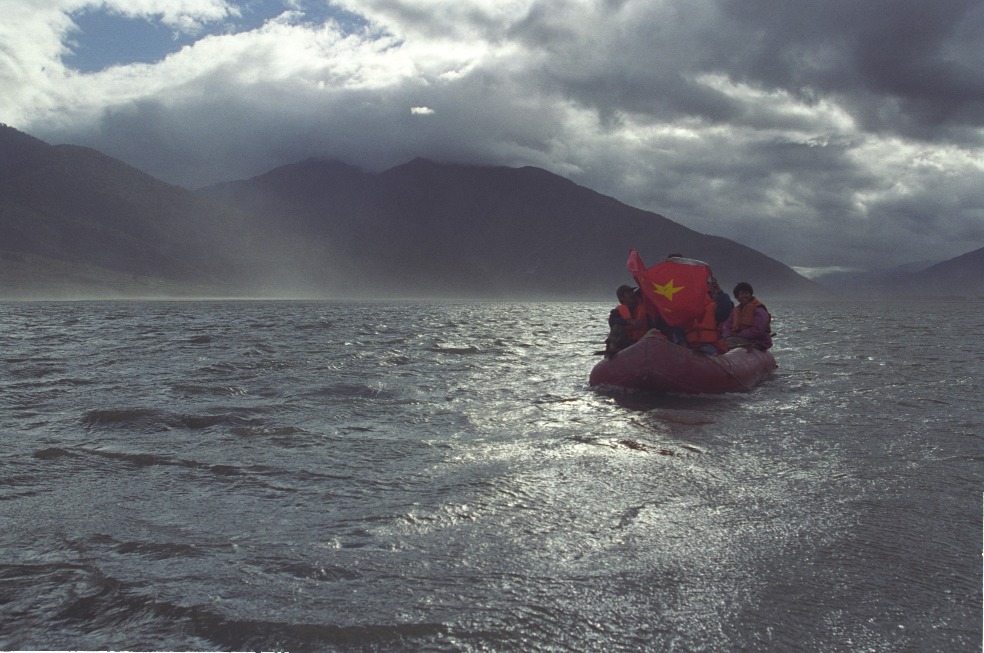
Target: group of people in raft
{"x": 723, "y": 327}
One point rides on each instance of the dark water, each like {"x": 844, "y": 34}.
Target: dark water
{"x": 439, "y": 477}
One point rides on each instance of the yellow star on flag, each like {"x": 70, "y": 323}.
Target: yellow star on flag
{"x": 667, "y": 290}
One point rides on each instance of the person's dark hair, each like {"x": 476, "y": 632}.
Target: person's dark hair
{"x": 743, "y": 285}
{"x": 624, "y": 290}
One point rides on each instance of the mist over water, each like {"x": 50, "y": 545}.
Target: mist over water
{"x": 438, "y": 476}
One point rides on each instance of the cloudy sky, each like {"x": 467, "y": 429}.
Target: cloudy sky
{"x": 824, "y": 133}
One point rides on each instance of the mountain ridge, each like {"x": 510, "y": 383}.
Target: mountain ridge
{"x": 525, "y": 228}
{"x": 74, "y": 221}
{"x": 67, "y": 205}
{"x": 961, "y": 276}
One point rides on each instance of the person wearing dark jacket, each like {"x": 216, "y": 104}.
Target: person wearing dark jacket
{"x": 724, "y": 304}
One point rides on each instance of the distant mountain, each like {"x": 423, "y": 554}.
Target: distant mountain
{"x": 479, "y": 231}
{"x": 871, "y": 283}
{"x": 962, "y": 276}
{"x": 73, "y": 220}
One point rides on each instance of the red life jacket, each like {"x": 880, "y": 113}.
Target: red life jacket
{"x": 633, "y": 332}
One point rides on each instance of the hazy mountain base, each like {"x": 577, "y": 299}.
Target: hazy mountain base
{"x": 27, "y": 277}
{"x": 30, "y": 277}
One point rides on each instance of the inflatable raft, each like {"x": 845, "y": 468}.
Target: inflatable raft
{"x": 656, "y": 365}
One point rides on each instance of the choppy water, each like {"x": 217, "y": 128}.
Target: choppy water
{"x": 439, "y": 477}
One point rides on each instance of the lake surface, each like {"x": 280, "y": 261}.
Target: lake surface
{"x": 439, "y": 477}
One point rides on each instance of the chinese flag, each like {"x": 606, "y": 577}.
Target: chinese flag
{"x": 677, "y": 287}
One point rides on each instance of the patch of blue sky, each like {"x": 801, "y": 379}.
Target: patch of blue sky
{"x": 106, "y": 38}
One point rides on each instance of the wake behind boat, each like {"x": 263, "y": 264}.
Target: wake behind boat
{"x": 654, "y": 364}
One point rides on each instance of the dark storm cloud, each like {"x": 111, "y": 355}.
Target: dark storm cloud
{"x": 904, "y": 66}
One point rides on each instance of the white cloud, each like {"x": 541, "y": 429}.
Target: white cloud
{"x": 185, "y": 15}
{"x": 813, "y": 273}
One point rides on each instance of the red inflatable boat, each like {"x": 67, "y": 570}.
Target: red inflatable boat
{"x": 656, "y": 365}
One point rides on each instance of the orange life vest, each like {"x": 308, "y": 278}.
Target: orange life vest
{"x": 744, "y": 316}
{"x": 705, "y": 330}
{"x": 632, "y": 331}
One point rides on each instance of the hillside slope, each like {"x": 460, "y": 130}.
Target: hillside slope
{"x": 74, "y": 221}
{"x": 480, "y": 231}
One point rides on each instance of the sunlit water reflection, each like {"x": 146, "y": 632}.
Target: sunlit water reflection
{"x": 316, "y": 476}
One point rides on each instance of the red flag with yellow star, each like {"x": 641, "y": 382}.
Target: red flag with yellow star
{"x": 677, "y": 287}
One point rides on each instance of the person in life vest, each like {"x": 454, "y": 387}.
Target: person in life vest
{"x": 750, "y": 322}
{"x": 705, "y": 334}
{"x": 629, "y": 321}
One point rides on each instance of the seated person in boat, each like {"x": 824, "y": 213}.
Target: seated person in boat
{"x": 705, "y": 334}
{"x": 750, "y": 322}
{"x": 629, "y": 321}
{"x": 723, "y": 303}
